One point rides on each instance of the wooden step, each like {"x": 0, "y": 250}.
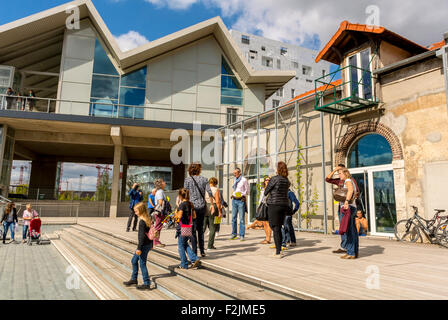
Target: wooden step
{"x": 180, "y": 286}
{"x": 225, "y": 284}
{"x": 115, "y": 273}
{"x": 99, "y": 285}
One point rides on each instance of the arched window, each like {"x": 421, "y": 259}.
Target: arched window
{"x": 370, "y": 150}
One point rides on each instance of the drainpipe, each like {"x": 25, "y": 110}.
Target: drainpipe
{"x": 443, "y": 54}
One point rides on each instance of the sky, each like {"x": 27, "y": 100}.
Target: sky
{"x": 301, "y": 22}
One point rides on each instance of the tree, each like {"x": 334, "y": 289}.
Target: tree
{"x": 104, "y": 188}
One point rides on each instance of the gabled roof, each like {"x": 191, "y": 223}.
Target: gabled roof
{"x": 437, "y": 45}
{"x": 52, "y": 22}
{"x": 310, "y": 93}
{"x": 356, "y": 33}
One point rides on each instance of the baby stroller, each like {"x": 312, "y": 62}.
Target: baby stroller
{"x": 34, "y": 231}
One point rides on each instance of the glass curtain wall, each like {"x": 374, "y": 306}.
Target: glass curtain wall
{"x": 231, "y": 89}
{"x": 110, "y": 89}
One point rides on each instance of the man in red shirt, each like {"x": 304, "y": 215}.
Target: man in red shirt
{"x": 340, "y": 183}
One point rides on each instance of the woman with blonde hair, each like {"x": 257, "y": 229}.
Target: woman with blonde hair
{"x": 143, "y": 248}
{"x": 217, "y": 212}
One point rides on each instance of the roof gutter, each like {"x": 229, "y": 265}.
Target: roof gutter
{"x": 443, "y": 54}
{"x": 405, "y": 62}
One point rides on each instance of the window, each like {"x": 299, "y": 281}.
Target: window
{"x": 232, "y": 115}
{"x": 293, "y": 91}
{"x": 295, "y": 65}
{"x": 245, "y": 39}
{"x": 309, "y": 80}
{"x": 231, "y": 90}
{"x": 109, "y": 89}
{"x": 278, "y": 64}
{"x": 371, "y": 150}
{"x": 253, "y": 54}
{"x": 306, "y": 71}
{"x": 275, "y": 103}
{"x": 279, "y": 92}
{"x": 263, "y": 48}
{"x": 323, "y": 73}
{"x": 283, "y": 51}
{"x": 266, "y": 61}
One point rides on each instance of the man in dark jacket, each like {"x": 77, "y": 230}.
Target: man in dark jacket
{"x": 288, "y": 234}
{"x": 135, "y": 196}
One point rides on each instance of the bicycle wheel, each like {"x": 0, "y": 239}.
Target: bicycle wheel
{"x": 407, "y": 230}
{"x": 441, "y": 234}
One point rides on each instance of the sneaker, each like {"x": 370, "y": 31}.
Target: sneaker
{"x": 339, "y": 251}
{"x": 233, "y": 237}
{"x": 144, "y": 287}
{"x": 196, "y": 264}
{"x": 130, "y": 283}
{"x": 284, "y": 248}
{"x": 242, "y": 239}
{"x": 272, "y": 247}
{"x": 216, "y": 234}
{"x": 203, "y": 255}
{"x": 293, "y": 244}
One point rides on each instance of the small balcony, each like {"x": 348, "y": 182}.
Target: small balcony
{"x": 353, "y": 92}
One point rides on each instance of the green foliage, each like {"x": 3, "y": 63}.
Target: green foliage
{"x": 104, "y": 189}
{"x": 310, "y": 208}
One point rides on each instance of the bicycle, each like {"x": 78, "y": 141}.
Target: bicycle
{"x": 409, "y": 229}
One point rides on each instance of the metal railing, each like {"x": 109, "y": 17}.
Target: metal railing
{"x": 114, "y": 110}
{"x": 356, "y": 87}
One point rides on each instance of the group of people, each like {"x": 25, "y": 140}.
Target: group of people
{"x": 200, "y": 205}
{"x": 18, "y": 101}
{"x": 10, "y": 221}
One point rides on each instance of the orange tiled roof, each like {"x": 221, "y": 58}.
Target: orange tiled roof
{"x": 321, "y": 88}
{"x": 347, "y": 26}
{"x": 436, "y": 45}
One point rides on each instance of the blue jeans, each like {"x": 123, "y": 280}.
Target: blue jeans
{"x": 238, "y": 206}
{"x": 352, "y": 239}
{"x": 182, "y": 246}
{"x": 142, "y": 258}
{"x": 25, "y": 231}
{"x": 9, "y": 225}
{"x": 344, "y": 236}
{"x": 288, "y": 234}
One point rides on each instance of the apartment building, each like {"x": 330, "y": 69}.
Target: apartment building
{"x": 267, "y": 54}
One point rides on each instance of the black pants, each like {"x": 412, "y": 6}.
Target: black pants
{"x": 198, "y": 231}
{"x": 132, "y": 215}
{"x": 276, "y": 216}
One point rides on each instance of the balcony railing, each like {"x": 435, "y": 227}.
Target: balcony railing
{"x": 355, "y": 91}
{"x": 104, "y": 109}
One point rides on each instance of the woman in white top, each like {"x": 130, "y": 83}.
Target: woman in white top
{"x": 28, "y": 215}
{"x": 352, "y": 245}
{"x": 217, "y": 212}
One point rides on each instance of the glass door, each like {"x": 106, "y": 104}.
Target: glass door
{"x": 360, "y": 74}
{"x": 383, "y": 202}
{"x": 252, "y": 200}
{"x": 377, "y": 195}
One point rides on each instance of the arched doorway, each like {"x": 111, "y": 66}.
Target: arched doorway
{"x": 369, "y": 159}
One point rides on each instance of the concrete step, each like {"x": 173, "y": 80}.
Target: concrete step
{"x": 179, "y": 286}
{"x": 222, "y": 282}
{"x": 111, "y": 271}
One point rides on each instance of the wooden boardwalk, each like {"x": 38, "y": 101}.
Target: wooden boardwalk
{"x": 385, "y": 270}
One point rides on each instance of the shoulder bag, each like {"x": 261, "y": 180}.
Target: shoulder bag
{"x": 262, "y": 210}
{"x": 186, "y": 230}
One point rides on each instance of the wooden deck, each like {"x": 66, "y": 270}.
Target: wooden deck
{"x": 405, "y": 271}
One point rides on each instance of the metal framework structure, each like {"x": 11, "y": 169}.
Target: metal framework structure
{"x": 282, "y": 118}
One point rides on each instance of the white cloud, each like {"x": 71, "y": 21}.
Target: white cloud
{"x": 301, "y": 21}
{"x": 130, "y": 40}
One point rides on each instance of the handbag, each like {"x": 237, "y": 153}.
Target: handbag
{"x": 186, "y": 230}
{"x": 340, "y": 194}
{"x": 262, "y": 211}
{"x": 153, "y": 233}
